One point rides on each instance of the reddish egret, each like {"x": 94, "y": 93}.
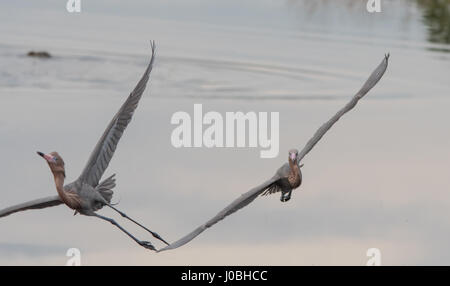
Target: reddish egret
{"x": 87, "y": 194}
{"x": 288, "y": 176}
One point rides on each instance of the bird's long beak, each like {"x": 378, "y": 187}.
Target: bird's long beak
{"x": 47, "y": 157}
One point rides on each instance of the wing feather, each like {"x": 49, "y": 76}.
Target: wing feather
{"x": 371, "y": 82}
{"x": 272, "y": 189}
{"x": 35, "y": 204}
{"x": 106, "y": 146}
{"x": 236, "y": 205}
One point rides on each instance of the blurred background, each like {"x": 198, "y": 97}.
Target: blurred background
{"x": 378, "y": 179}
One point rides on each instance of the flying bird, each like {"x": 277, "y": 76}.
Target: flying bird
{"x": 288, "y": 177}
{"x": 87, "y": 194}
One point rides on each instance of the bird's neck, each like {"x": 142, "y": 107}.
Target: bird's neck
{"x": 59, "y": 183}
{"x": 71, "y": 199}
{"x": 294, "y": 167}
{"x": 294, "y": 176}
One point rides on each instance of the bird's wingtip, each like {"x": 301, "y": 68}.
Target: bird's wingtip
{"x": 162, "y": 249}
{"x": 153, "y": 45}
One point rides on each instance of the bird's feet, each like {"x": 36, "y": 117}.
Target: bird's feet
{"x": 147, "y": 245}
{"x": 285, "y": 196}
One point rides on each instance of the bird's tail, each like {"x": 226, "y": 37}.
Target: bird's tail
{"x": 106, "y": 186}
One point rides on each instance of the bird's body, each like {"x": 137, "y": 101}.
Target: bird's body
{"x": 87, "y": 194}
{"x": 287, "y": 178}
{"x": 85, "y": 199}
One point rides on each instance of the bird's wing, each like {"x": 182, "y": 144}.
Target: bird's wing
{"x": 251, "y": 195}
{"x": 31, "y": 205}
{"x": 371, "y": 82}
{"x": 282, "y": 172}
{"x": 104, "y": 150}
{"x": 272, "y": 189}
{"x": 237, "y": 204}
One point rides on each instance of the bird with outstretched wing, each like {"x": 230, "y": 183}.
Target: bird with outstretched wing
{"x": 87, "y": 194}
{"x": 288, "y": 177}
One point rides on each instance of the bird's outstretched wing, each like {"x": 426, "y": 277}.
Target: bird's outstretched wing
{"x": 237, "y": 204}
{"x": 371, "y": 82}
{"x": 31, "y": 205}
{"x": 104, "y": 150}
{"x": 251, "y": 195}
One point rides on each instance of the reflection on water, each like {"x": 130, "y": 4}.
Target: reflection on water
{"x": 436, "y": 15}
{"x": 314, "y": 5}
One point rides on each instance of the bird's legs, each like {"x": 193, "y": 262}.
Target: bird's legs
{"x": 127, "y": 217}
{"x": 145, "y": 244}
{"x": 285, "y": 196}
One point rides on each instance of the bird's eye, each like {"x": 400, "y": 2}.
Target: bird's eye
{"x": 56, "y": 159}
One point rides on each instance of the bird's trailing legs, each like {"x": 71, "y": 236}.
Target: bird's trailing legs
{"x": 145, "y": 244}
{"x": 286, "y": 196}
{"x": 155, "y": 235}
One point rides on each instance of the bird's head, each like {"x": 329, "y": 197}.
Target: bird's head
{"x": 293, "y": 155}
{"x": 54, "y": 161}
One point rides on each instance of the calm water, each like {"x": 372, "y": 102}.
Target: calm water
{"x": 378, "y": 179}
